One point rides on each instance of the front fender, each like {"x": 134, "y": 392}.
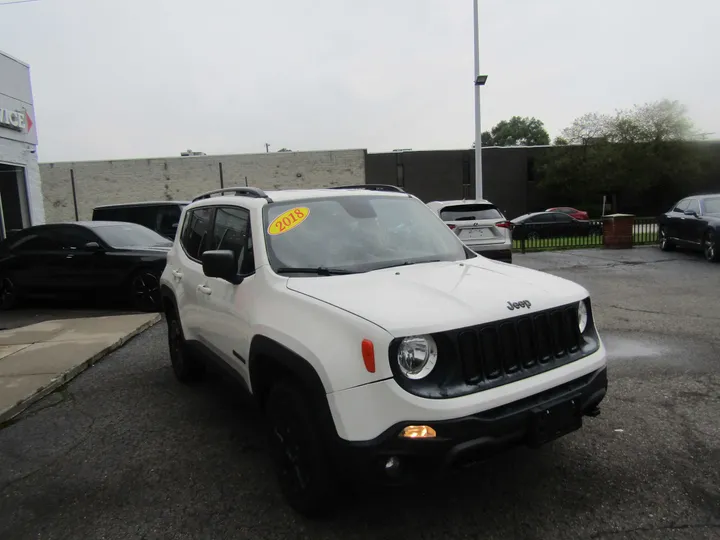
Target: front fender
{"x": 328, "y": 338}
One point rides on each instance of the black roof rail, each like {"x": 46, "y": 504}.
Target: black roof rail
{"x": 373, "y": 187}
{"x": 241, "y": 191}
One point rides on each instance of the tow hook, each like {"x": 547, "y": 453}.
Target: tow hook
{"x": 595, "y": 411}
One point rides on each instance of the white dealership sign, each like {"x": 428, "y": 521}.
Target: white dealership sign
{"x": 17, "y": 120}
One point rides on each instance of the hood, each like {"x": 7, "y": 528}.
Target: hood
{"x": 440, "y": 296}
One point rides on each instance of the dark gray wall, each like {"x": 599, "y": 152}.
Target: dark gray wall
{"x": 511, "y": 179}
{"x": 450, "y": 174}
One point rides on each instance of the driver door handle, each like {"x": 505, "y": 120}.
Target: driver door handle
{"x": 204, "y": 289}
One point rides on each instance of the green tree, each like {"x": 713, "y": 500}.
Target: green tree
{"x": 659, "y": 121}
{"x": 643, "y": 150}
{"x": 518, "y": 131}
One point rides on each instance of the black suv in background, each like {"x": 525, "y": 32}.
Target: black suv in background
{"x": 160, "y": 216}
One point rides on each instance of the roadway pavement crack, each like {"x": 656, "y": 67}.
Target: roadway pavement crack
{"x": 609, "y": 264}
{"x": 652, "y": 312}
{"x": 67, "y": 397}
{"x": 687, "y": 526}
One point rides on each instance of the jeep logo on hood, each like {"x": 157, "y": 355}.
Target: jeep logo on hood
{"x": 518, "y": 305}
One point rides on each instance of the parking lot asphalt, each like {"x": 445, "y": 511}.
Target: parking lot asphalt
{"x": 125, "y": 451}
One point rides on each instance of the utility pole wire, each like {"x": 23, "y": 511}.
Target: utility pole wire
{"x": 17, "y": 2}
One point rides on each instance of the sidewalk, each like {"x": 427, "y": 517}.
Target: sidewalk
{"x": 37, "y": 359}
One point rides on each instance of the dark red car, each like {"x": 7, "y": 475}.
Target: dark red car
{"x": 574, "y": 212}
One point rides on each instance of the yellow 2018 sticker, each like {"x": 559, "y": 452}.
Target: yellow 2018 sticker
{"x": 288, "y": 220}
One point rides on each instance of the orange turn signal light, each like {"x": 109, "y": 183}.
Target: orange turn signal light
{"x": 418, "y": 432}
{"x": 368, "y": 354}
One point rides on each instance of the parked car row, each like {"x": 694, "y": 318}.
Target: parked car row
{"x": 693, "y": 223}
{"x": 122, "y": 250}
{"x": 116, "y": 259}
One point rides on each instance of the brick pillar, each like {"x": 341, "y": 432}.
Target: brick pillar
{"x": 618, "y": 231}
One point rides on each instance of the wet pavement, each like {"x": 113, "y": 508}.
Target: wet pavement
{"x": 126, "y": 452}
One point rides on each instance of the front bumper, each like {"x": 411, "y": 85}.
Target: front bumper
{"x": 464, "y": 440}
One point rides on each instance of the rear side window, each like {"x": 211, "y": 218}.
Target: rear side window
{"x": 195, "y": 231}
{"x": 470, "y": 212}
{"x": 37, "y": 240}
{"x": 107, "y": 214}
{"x": 166, "y": 219}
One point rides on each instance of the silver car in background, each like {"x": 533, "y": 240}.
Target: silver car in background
{"x": 479, "y": 224}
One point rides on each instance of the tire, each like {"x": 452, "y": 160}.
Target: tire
{"x": 303, "y": 472}
{"x": 665, "y": 243}
{"x": 532, "y": 235}
{"x": 187, "y": 368}
{"x": 710, "y": 247}
{"x": 9, "y": 294}
{"x": 144, "y": 291}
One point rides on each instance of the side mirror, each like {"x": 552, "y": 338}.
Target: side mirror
{"x": 691, "y": 213}
{"x": 222, "y": 264}
{"x": 93, "y": 246}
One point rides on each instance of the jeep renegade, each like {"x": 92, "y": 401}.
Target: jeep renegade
{"x": 375, "y": 342}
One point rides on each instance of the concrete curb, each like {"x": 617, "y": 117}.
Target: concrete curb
{"x": 64, "y": 378}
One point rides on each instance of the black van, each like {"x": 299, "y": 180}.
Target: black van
{"x": 160, "y": 216}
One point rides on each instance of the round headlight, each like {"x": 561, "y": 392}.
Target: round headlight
{"x": 582, "y": 316}
{"x": 417, "y": 356}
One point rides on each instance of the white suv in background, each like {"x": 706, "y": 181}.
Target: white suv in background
{"x": 375, "y": 342}
{"x": 480, "y": 225}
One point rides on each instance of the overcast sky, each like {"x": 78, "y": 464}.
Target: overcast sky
{"x": 143, "y": 78}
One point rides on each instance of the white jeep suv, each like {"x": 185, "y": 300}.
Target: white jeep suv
{"x": 377, "y": 344}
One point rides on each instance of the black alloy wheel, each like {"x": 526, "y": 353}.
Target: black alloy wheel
{"x": 710, "y": 248}
{"x": 665, "y": 243}
{"x": 186, "y": 367}
{"x": 145, "y": 291}
{"x": 8, "y": 293}
{"x": 303, "y": 472}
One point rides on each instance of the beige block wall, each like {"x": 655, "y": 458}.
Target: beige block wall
{"x": 182, "y": 178}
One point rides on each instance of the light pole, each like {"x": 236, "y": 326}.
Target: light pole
{"x": 479, "y": 81}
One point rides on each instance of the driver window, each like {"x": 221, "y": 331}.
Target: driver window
{"x": 681, "y": 206}
{"x": 232, "y": 231}
{"x": 74, "y": 239}
{"x": 694, "y": 205}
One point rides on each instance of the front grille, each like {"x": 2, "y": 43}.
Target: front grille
{"x": 503, "y": 351}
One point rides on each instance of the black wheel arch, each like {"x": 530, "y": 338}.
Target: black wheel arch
{"x": 271, "y": 362}
{"x": 168, "y": 301}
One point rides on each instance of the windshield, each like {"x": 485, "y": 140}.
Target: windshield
{"x": 356, "y": 234}
{"x": 470, "y": 212}
{"x": 130, "y": 235}
{"x": 712, "y": 206}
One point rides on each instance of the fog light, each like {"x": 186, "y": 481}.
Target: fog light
{"x": 418, "y": 432}
{"x": 392, "y": 464}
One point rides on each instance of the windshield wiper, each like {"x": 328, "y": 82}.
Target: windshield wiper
{"x": 319, "y": 270}
{"x": 406, "y": 263}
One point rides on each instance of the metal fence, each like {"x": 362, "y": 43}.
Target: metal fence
{"x": 645, "y": 231}
{"x": 545, "y": 237}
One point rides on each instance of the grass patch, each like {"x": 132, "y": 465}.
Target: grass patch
{"x": 577, "y": 242}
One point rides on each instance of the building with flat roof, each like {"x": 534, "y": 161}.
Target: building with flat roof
{"x": 21, "y": 202}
